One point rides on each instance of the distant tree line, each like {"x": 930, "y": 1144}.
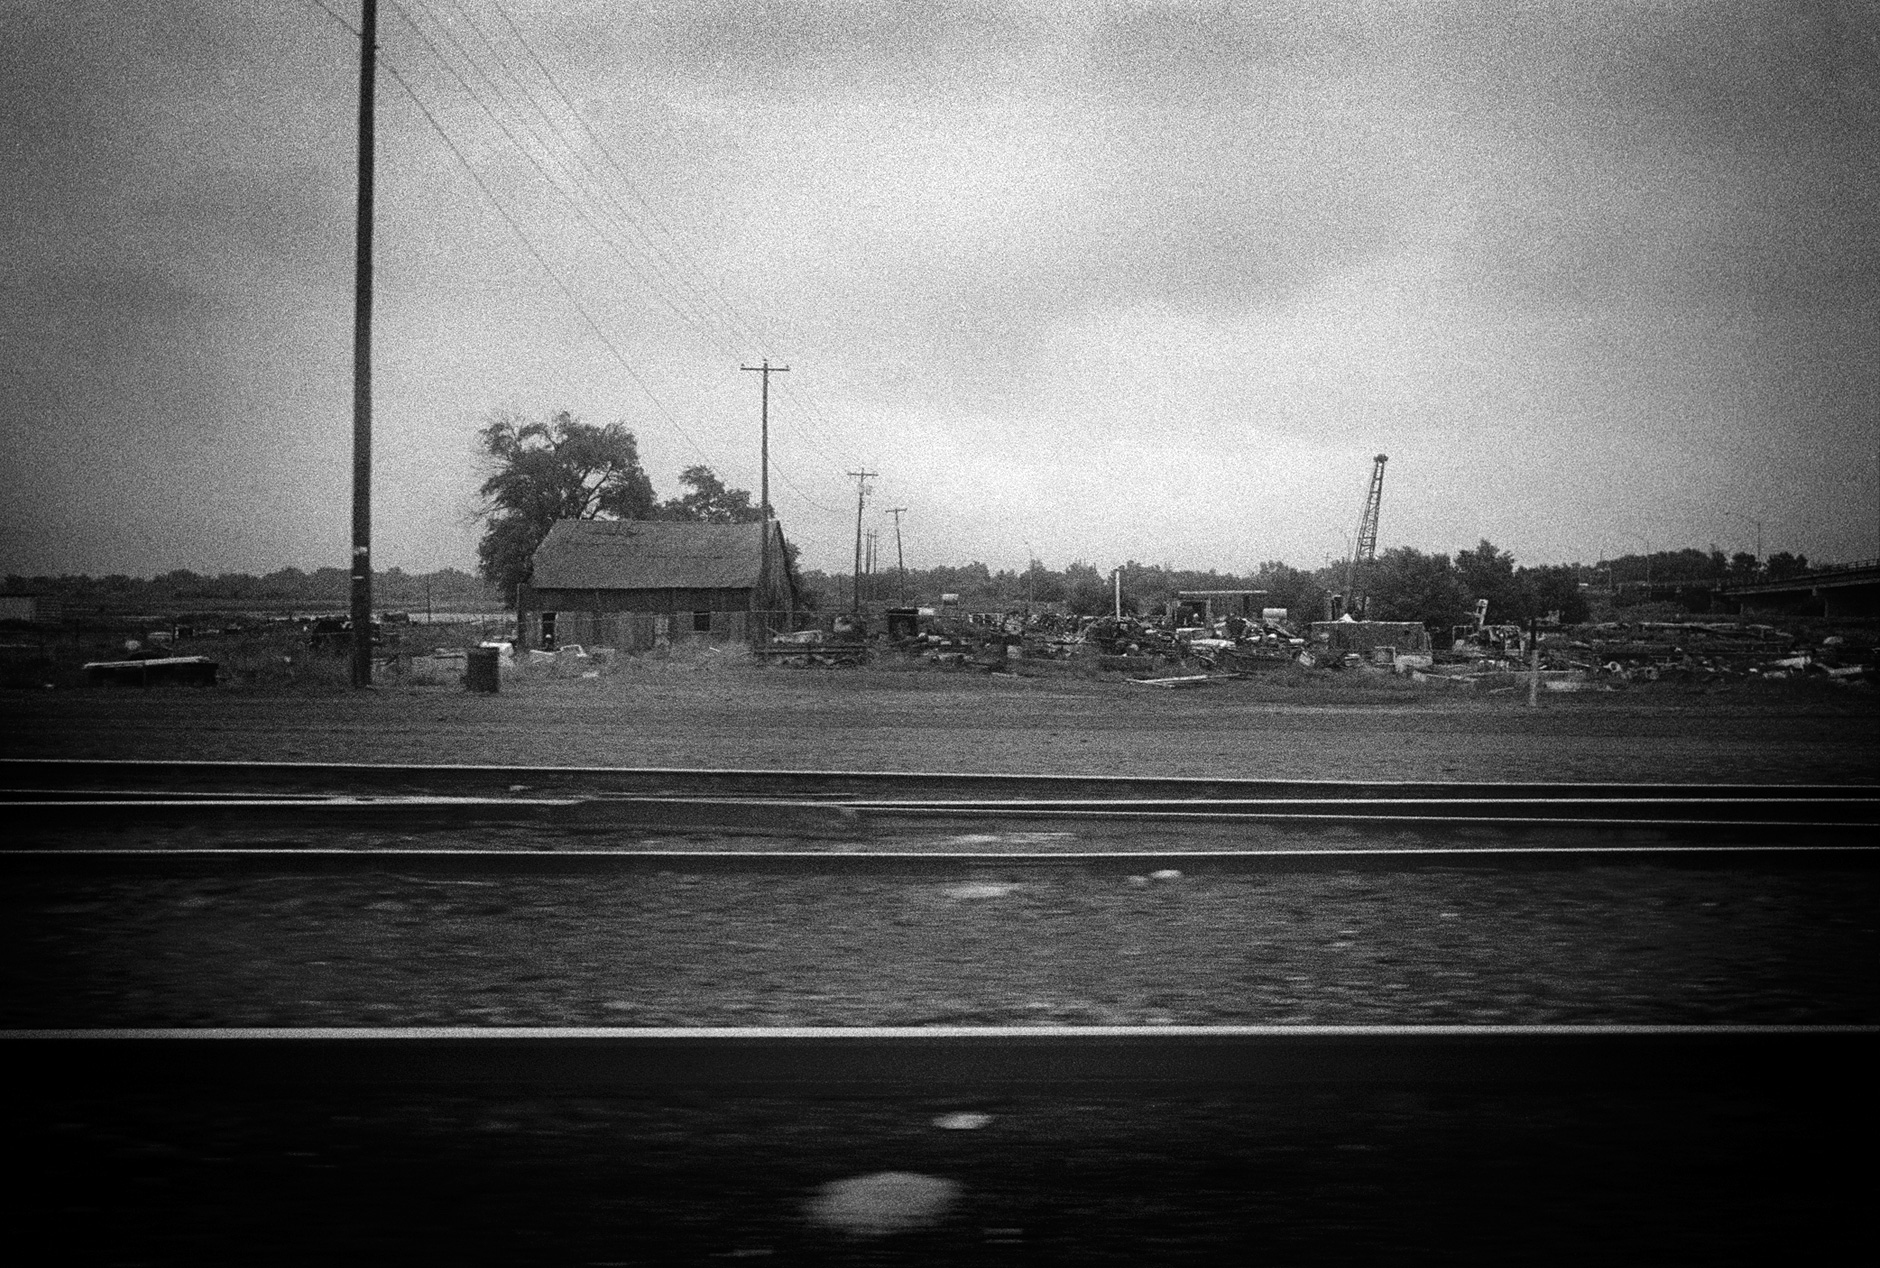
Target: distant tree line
{"x": 446, "y": 588}
{"x": 1403, "y": 584}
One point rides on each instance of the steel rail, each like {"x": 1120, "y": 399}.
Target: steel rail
{"x": 186, "y": 862}
{"x": 1451, "y": 807}
{"x": 846, "y": 1061}
{"x": 58, "y": 775}
{"x": 1639, "y": 822}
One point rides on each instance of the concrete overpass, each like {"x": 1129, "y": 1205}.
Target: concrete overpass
{"x": 1837, "y": 590}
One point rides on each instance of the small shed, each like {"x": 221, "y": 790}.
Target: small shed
{"x": 1364, "y": 637}
{"x": 30, "y": 607}
{"x": 1213, "y": 604}
{"x": 634, "y": 584}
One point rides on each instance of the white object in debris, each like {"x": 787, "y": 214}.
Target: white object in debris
{"x": 979, "y": 889}
{"x": 883, "y": 1203}
{"x": 963, "y": 1121}
{"x": 1191, "y": 680}
{"x": 1166, "y": 874}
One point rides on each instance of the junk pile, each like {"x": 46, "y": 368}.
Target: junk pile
{"x": 1480, "y": 657}
{"x": 1715, "y": 650}
{"x": 1006, "y": 642}
{"x": 843, "y": 643}
{"x": 1604, "y": 656}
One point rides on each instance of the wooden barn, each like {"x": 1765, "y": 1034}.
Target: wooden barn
{"x": 635, "y": 584}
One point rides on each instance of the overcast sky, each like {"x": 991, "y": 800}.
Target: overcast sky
{"x": 1096, "y": 281}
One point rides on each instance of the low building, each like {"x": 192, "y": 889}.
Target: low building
{"x": 1211, "y": 605}
{"x": 637, "y": 584}
{"x": 1363, "y": 637}
{"x": 30, "y": 607}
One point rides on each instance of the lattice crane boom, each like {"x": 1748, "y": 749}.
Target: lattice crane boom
{"x": 1364, "y": 550}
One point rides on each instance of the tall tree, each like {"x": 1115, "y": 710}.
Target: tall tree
{"x": 558, "y": 469}
{"x": 1488, "y": 573}
{"x": 1554, "y": 590}
{"x": 1408, "y": 585}
{"x": 1783, "y": 565}
{"x": 708, "y": 501}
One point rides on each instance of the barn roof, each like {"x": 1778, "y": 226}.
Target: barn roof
{"x": 652, "y": 555}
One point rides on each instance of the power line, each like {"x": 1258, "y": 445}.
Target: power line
{"x": 699, "y": 319}
{"x": 547, "y": 268}
{"x": 755, "y": 335}
{"x": 739, "y": 324}
{"x": 580, "y": 210}
{"x": 357, "y": 34}
{"x": 703, "y": 308}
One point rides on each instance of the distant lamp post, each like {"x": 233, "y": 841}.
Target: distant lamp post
{"x": 1648, "y": 562}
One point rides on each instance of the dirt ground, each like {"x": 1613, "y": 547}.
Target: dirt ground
{"x": 874, "y": 719}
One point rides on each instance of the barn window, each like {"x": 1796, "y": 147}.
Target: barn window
{"x": 548, "y": 631}
{"x": 702, "y": 622}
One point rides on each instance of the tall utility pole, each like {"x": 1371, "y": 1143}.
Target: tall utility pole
{"x": 362, "y": 358}
{"x": 900, "y": 560}
{"x": 763, "y": 476}
{"x": 861, "y": 496}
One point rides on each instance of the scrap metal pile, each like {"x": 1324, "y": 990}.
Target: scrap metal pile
{"x": 1616, "y": 652}
{"x": 1003, "y": 641}
{"x": 1491, "y": 658}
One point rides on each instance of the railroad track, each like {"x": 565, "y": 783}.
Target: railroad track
{"x": 307, "y": 1109}
{"x": 417, "y": 798}
{"x": 314, "y": 860}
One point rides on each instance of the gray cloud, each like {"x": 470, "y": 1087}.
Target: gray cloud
{"x": 1636, "y": 237}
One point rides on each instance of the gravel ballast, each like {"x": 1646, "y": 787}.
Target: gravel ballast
{"x": 1050, "y": 945}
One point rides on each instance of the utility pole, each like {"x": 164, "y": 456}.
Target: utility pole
{"x": 900, "y": 560}
{"x": 861, "y": 497}
{"x": 362, "y": 357}
{"x": 763, "y": 476}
